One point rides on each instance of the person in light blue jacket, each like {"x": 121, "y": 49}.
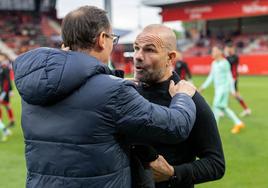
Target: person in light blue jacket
{"x": 76, "y": 113}
{"x": 221, "y": 75}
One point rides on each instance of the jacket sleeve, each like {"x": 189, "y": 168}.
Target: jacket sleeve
{"x": 207, "y": 145}
{"x": 138, "y": 118}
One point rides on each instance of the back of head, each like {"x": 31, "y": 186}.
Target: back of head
{"x": 81, "y": 27}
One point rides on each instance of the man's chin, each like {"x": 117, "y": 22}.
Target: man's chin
{"x": 140, "y": 77}
{"x": 137, "y": 76}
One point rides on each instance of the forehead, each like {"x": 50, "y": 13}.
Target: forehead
{"x": 149, "y": 39}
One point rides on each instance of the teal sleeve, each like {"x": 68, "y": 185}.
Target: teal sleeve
{"x": 232, "y": 88}
{"x": 209, "y": 78}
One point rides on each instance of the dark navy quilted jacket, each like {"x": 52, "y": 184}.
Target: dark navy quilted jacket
{"x": 74, "y": 114}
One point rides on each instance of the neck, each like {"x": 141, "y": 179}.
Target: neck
{"x": 163, "y": 83}
{"x": 165, "y": 77}
{"x": 219, "y": 58}
{"x": 93, "y": 53}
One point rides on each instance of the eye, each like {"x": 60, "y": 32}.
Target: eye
{"x": 136, "y": 48}
{"x": 149, "y": 50}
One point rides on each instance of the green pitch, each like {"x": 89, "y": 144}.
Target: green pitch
{"x": 246, "y": 154}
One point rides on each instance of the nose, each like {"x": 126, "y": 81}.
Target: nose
{"x": 138, "y": 55}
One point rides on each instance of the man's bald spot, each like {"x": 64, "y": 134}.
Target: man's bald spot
{"x": 76, "y": 13}
{"x": 166, "y": 35}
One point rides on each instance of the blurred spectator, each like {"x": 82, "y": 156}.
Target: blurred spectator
{"x": 181, "y": 68}
{"x": 233, "y": 59}
{"x": 5, "y": 92}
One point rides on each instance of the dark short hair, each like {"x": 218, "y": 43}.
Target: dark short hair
{"x": 81, "y": 27}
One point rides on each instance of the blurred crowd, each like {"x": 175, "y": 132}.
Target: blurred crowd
{"x": 197, "y": 44}
{"x": 22, "y": 31}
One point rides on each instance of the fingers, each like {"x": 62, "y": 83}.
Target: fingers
{"x": 162, "y": 171}
{"x": 160, "y": 165}
{"x": 158, "y": 177}
{"x": 157, "y": 164}
{"x": 172, "y": 88}
{"x": 130, "y": 79}
{"x": 172, "y": 83}
{"x": 186, "y": 87}
{"x": 200, "y": 90}
{"x": 182, "y": 87}
{"x": 64, "y": 48}
{"x": 11, "y": 94}
{"x": 133, "y": 80}
{"x": 188, "y": 83}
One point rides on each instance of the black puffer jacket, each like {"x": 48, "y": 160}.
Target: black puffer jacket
{"x": 74, "y": 111}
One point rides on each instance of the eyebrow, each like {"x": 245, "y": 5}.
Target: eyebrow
{"x": 146, "y": 45}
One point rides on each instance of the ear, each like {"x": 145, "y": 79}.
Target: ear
{"x": 101, "y": 40}
{"x": 171, "y": 57}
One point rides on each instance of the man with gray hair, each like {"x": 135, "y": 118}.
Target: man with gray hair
{"x": 76, "y": 113}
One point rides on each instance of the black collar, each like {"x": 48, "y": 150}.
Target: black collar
{"x": 161, "y": 85}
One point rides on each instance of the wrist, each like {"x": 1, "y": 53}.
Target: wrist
{"x": 172, "y": 171}
{"x": 173, "y": 180}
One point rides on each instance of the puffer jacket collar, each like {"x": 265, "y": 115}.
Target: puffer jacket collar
{"x": 45, "y": 75}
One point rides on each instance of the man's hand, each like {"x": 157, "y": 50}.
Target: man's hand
{"x": 2, "y": 96}
{"x": 10, "y": 93}
{"x": 200, "y": 90}
{"x": 65, "y": 48}
{"x": 162, "y": 171}
{"x": 133, "y": 80}
{"x": 235, "y": 94}
{"x": 181, "y": 87}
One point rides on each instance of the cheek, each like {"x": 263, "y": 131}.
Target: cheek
{"x": 111, "y": 46}
{"x": 110, "y": 50}
{"x": 158, "y": 68}
{"x": 135, "y": 56}
{"x": 158, "y": 63}
{"x": 150, "y": 66}
{"x": 151, "y": 61}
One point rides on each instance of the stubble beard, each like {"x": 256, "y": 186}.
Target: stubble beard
{"x": 148, "y": 77}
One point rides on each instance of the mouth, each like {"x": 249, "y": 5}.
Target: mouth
{"x": 138, "y": 68}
